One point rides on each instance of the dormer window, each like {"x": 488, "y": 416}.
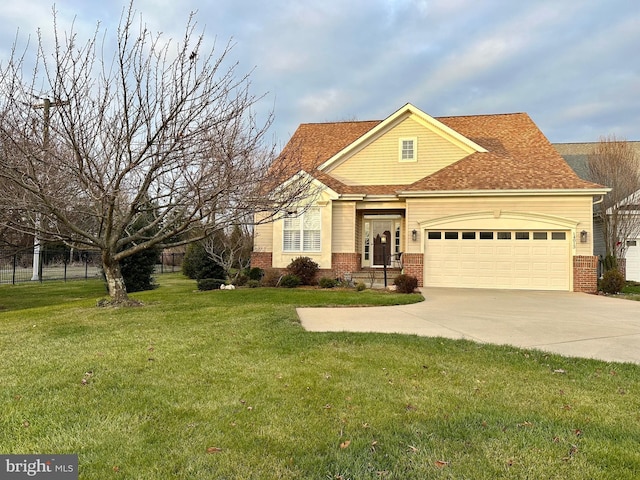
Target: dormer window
{"x": 408, "y": 149}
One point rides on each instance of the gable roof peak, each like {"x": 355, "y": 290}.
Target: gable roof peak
{"x": 389, "y": 122}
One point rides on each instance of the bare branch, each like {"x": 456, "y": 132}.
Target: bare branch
{"x": 615, "y": 164}
{"x": 157, "y": 125}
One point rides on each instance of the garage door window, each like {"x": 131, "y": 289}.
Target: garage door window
{"x": 495, "y": 235}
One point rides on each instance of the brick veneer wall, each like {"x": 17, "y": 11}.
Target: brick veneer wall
{"x": 261, "y": 259}
{"x": 413, "y": 264}
{"x": 342, "y": 263}
{"x": 585, "y": 273}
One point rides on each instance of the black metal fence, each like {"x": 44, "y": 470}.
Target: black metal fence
{"x": 18, "y": 266}
{"x": 170, "y": 262}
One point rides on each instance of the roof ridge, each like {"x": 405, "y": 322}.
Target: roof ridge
{"x": 340, "y": 121}
{"x": 483, "y": 115}
{"x": 589, "y": 143}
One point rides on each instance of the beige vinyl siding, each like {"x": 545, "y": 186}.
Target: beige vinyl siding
{"x": 343, "y": 229}
{"x": 576, "y": 208}
{"x": 378, "y": 162}
{"x": 263, "y": 237}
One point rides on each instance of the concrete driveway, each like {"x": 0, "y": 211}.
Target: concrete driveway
{"x": 573, "y": 324}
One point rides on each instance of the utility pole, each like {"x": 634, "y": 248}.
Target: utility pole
{"x": 46, "y": 106}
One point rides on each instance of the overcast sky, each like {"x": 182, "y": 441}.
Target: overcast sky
{"x": 572, "y": 65}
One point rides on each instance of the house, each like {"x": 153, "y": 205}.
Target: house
{"x": 577, "y": 156}
{"x": 479, "y": 201}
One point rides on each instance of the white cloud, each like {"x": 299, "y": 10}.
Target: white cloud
{"x": 572, "y": 65}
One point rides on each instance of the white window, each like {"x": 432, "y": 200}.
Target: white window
{"x": 301, "y": 232}
{"x": 408, "y": 149}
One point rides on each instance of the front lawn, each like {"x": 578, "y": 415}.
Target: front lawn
{"x": 631, "y": 290}
{"x": 226, "y": 384}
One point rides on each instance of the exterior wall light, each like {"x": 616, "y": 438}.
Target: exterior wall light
{"x": 414, "y": 235}
{"x": 583, "y": 236}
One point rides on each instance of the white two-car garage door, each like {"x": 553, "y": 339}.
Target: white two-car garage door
{"x": 529, "y": 260}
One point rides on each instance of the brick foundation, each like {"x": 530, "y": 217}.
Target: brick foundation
{"x": 342, "y": 263}
{"x": 261, "y": 260}
{"x": 413, "y": 264}
{"x": 585, "y": 274}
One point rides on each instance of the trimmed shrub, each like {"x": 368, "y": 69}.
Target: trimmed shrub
{"x": 612, "y": 282}
{"x": 360, "y": 286}
{"x": 210, "y": 283}
{"x": 326, "y": 282}
{"x": 198, "y": 264}
{"x": 304, "y": 268}
{"x": 405, "y": 283}
{"x": 255, "y": 273}
{"x": 290, "y": 281}
{"x": 253, "y": 284}
{"x": 271, "y": 277}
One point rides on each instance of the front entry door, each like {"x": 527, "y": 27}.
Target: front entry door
{"x": 381, "y": 252}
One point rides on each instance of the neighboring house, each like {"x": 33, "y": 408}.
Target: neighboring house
{"x": 577, "y": 156}
{"x": 472, "y": 201}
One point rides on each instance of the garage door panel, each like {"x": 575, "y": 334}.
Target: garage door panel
{"x": 504, "y": 263}
{"x": 486, "y": 250}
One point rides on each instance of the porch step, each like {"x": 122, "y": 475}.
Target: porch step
{"x": 374, "y": 277}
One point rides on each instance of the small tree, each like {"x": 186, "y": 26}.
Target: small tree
{"x": 232, "y": 251}
{"x": 137, "y": 269}
{"x": 197, "y": 264}
{"x": 614, "y": 163}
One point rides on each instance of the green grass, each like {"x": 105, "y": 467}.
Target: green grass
{"x": 153, "y": 392}
{"x": 631, "y": 290}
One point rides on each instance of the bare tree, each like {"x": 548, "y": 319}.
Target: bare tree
{"x": 231, "y": 249}
{"x": 614, "y": 163}
{"x": 159, "y": 129}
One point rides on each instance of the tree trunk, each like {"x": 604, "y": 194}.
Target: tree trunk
{"x": 115, "y": 281}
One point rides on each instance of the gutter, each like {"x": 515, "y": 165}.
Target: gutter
{"x": 501, "y": 193}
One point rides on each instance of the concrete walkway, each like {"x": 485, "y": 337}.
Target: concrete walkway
{"x": 573, "y": 324}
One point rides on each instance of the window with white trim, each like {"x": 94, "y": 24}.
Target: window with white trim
{"x": 408, "y": 149}
{"x": 301, "y": 232}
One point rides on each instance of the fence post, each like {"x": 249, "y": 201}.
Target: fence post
{"x": 15, "y": 262}
{"x": 40, "y": 266}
